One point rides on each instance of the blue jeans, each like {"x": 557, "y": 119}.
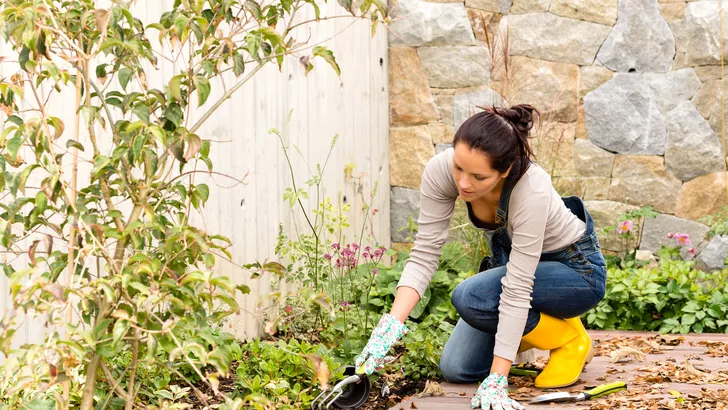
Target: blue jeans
{"x": 567, "y": 283}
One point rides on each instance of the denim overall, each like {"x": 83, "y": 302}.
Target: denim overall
{"x": 567, "y": 282}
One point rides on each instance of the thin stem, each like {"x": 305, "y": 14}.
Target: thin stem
{"x": 303, "y": 209}
{"x": 132, "y": 375}
{"x": 114, "y": 383}
{"x": 224, "y": 98}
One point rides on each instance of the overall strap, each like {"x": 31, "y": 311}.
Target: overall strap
{"x": 501, "y": 216}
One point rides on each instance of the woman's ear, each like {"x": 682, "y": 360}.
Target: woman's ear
{"x": 508, "y": 171}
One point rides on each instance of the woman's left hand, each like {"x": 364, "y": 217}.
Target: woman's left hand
{"x": 493, "y": 394}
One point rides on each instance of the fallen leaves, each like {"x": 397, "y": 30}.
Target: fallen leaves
{"x": 715, "y": 349}
{"x": 686, "y": 372}
{"x": 703, "y": 400}
{"x": 625, "y": 352}
{"x": 648, "y": 345}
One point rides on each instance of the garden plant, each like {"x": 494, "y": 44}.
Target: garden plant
{"x": 98, "y": 211}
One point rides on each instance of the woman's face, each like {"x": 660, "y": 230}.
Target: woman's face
{"x": 473, "y": 174}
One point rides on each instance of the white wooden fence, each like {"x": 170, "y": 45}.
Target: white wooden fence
{"x": 354, "y": 106}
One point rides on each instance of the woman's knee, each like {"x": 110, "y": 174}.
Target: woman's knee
{"x": 451, "y": 369}
{"x": 458, "y": 296}
{"x": 480, "y": 292}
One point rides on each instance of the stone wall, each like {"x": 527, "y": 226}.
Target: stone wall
{"x": 629, "y": 91}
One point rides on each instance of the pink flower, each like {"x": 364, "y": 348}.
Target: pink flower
{"x": 375, "y": 271}
{"x": 692, "y": 251}
{"x": 682, "y": 239}
{"x": 336, "y": 246}
{"x": 670, "y": 235}
{"x": 365, "y": 255}
{"x": 625, "y": 226}
{"x": 289, "y": 309}
{"x": 327, "y": 256}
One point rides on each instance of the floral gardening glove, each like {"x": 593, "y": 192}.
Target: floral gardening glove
{"x": 388, "y": 332}
{"x": 493, "y": 394}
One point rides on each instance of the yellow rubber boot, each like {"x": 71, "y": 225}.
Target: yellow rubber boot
{"x": 524, "y": 346}
{"x": 569, "y": 348}
{"x": 576, "y": 323}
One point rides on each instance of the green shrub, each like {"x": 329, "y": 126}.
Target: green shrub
{"x": 674, "y": 297}
{"x": 279, "y": 375}
{"x": 717, "y": 222}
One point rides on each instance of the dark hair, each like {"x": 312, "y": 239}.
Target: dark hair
{"x": 502, "y": 134}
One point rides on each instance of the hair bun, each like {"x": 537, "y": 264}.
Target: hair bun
{"x": 520, "y": 116}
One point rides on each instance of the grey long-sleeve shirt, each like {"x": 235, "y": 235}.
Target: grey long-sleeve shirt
{"x": 538, "y": 221}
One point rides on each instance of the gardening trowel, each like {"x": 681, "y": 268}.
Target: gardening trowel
{"x": 595, "y": 393}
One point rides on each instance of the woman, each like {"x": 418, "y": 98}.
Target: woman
{"x": 545, "y": 269}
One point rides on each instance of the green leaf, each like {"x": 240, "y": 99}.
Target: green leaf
{"x": 101, "y": 70}
{"x": 175, "y": 85}
{"x": 120, "y": 329}
{"x": 77, "y": 145}
{"x": 141, "y": 110}
{"x": 421, "y": 305}
{"x": 41, "y": 201}
{"x": 254, "y": 8}
{"x": 688, "y": 319}
{"x": 15, "y": 120}
{"x": 125, "y": 74}
{"x": 181, "y": 27}
{"x": 158, "y": 133}
{"x": 326, "y": 54}
{"x": 58, "y": 126}
{"x": 204, "y": 191}
{"x": 24, "y": 57}
{"x": 252, "y": 44}
{"x": 317, "y": 12}
{"x": 14, "y": 145}
{"x": 143, "y": 289}
{"x": 24, "y": 176}
{"x": 286, "y": 4}
{"x": 101, "y": 162}
{"x": 238, "y": 64}
{"x": 40, "y": 404}
{"x": 203, "y": 89}
{"x": 139, "y": 141}
{"x": 11, "y": 180}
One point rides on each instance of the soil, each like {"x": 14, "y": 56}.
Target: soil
{"x": 397, "y": 393}
{"x": 399, "y": 388}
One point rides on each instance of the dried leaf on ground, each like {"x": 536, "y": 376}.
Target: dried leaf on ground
{"x": 669, "y": 372}
{"x": 668, "y": 340}
{"x": 650, "y": 346}
{"x": 694, "y": 371}
{"x": 432, "y": 389}
{"x": 626, "y": 352}
{"x": 705, "y": 399}
{"x": 647, "y": 346}
{"x": 715, "y": 349}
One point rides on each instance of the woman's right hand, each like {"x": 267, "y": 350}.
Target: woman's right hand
{"x": 387, "y": 333}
